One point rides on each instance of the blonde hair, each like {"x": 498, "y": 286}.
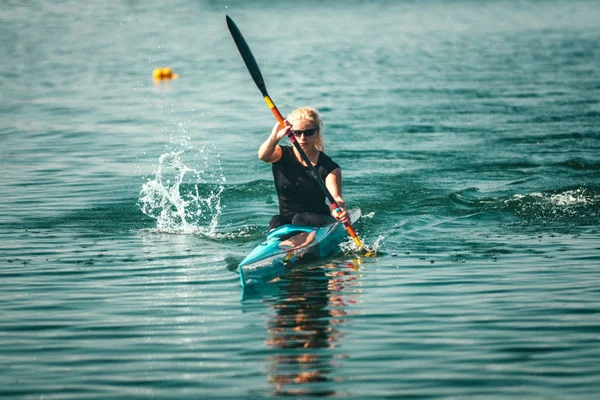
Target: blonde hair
{"x": 310, "y": 115}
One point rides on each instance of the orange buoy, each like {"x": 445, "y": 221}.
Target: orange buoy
{"x": 164, "y": 73}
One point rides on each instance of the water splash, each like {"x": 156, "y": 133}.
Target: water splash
{"x": 374, "y": 247}
{"x": 348, "y": 246}
{"x": 183, "y": 199}
{"x": 573, "y": 197}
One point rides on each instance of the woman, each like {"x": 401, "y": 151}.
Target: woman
{"x": 301, "y": 200}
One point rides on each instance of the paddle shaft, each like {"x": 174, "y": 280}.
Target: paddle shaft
{"x": 254, "y": 70}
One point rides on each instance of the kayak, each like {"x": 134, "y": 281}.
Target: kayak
{"x": 291, "y": 245}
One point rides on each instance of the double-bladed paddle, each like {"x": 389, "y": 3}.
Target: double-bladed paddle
{"x": 250, "y": 62}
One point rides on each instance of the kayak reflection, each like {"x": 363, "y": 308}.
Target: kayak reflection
{"x": 306, "y": 327}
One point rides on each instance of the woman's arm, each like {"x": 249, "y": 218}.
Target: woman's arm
{"x": 333, "y": 182}
{"x": 270, "y": 151}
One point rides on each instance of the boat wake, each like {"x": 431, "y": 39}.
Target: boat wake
{"x": 578, "y": 206}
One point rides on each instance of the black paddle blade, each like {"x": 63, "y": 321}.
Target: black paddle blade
{"x": 247, "y": 56}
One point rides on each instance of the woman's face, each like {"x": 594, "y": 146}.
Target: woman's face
{"x": 305, "y": 141}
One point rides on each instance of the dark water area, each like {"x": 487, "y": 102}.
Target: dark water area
{"x": 467, "y": 133}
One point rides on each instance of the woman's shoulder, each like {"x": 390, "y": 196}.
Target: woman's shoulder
{"x": 327, "y": 162}
{"x": 286, "y": 153}
{"x": 287, "y": 150}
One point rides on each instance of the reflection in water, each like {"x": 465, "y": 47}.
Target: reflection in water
{"x": 306, "y": 326}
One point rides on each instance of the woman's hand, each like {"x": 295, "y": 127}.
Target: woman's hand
{"x": 270, "y": 151}
{"x": 279, "y": 133}
{"x": 343, "y": 216}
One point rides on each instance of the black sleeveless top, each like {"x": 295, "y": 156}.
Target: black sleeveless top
{"x": 296, "y": 188}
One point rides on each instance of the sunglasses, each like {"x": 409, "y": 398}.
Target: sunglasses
{"x": 306, "y": 132}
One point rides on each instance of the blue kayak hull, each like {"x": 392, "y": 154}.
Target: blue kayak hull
{"x": 290, "y": 245}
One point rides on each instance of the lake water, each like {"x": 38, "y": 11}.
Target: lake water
{"x": 468, "y": 134}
